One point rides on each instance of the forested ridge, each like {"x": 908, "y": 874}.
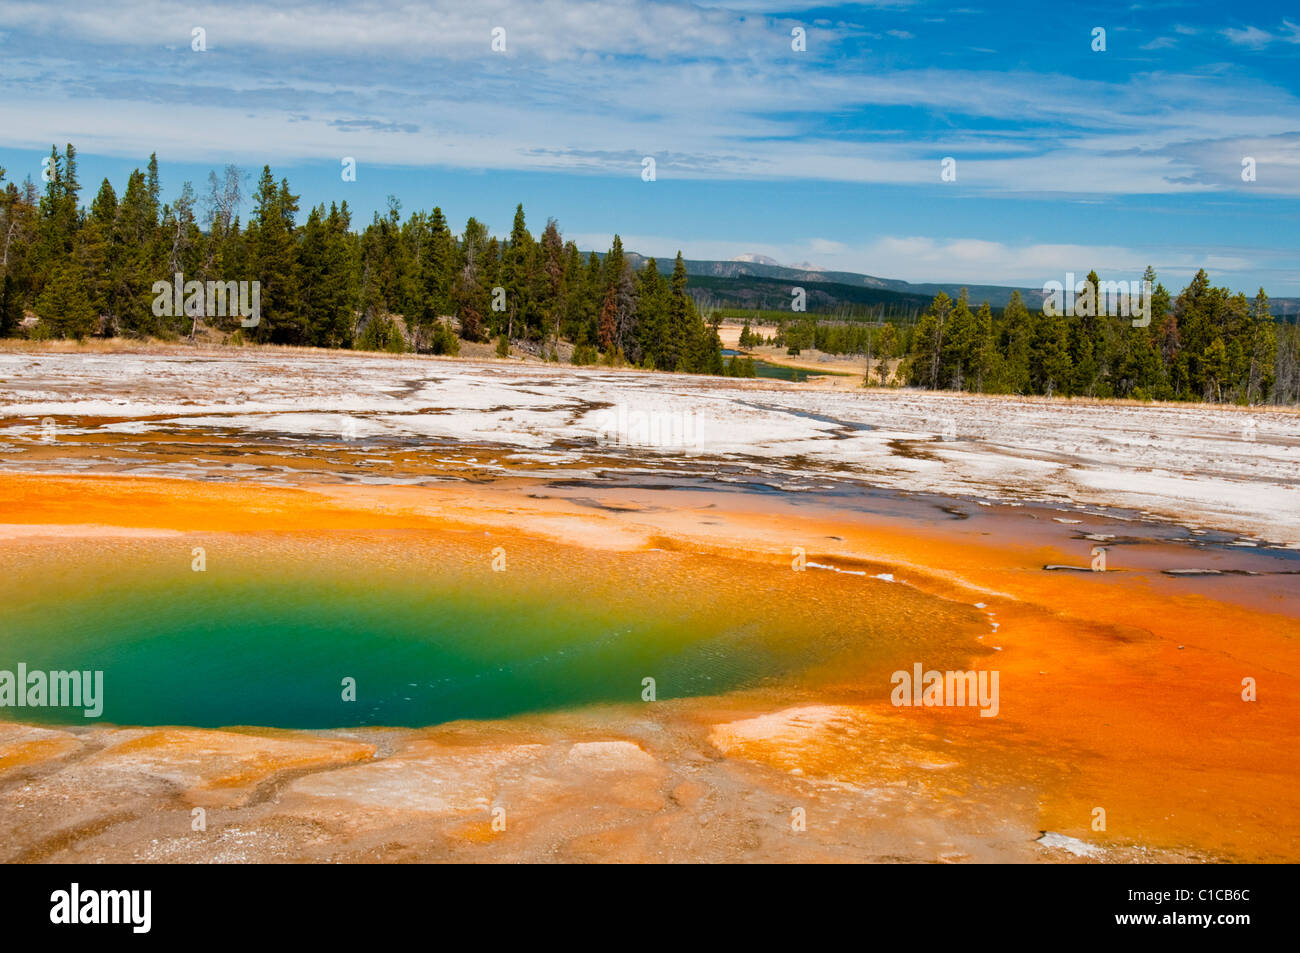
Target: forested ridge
{"x": 410, "y": 283}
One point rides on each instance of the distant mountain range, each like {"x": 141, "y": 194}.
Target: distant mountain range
{"x": 758, "y": 282}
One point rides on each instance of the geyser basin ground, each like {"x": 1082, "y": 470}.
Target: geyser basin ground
{"x": 1120, "y": 690}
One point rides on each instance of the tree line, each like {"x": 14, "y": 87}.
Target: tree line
{"x": 410, "y": 283}
{"x": 398, "y": 284}
{"x": 1205, "y": 344}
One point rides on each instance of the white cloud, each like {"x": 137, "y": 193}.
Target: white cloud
{"x": 535, "y": 29}
{"x": 1252, "y": 37}
{"x": 594, "y": 85}
{"x": 1257, "y": 39}
{"x": 825, "y": 247}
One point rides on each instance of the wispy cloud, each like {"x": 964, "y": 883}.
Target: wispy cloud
{"x": 715, "y": 91}
{"x": 594, "y": 85}
{"x": 1256, "y": 39}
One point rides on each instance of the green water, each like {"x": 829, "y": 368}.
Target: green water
{"x": 777, "y": 371}
{"x": 781, "y": 372}
{"x": 267, "y": 636}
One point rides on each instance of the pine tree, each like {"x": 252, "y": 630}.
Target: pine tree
{"x": 1050, "y": 366}
{"x": 103, "y": 211}
{"x": 957, "y": 354}
{"x": 985, "y": 360}
{"x": 593, "y": 298}
{"x": 676, "y": 346}
{"x": 551, "y": 290}
{"x": 925, "y": 362}
{"x": 652, "y": 315}
{"x": 573, "y": 298}
{"x": 1262, "y": 346}
{"x": 607, "y": 334}
{"x": 471, "y": 292}
{"x": 438, "y": 267}
{"x": 325, "y": 277}
{"x": 136, "y": 262}
{"x": 97, "y": 250}
{"x": 64, "y": 304}
{"x": 517, "y": 268}
{"x": 154, "y": 185}
{"x": 272, "y": 248}
{"x": 1082, "y": 339}
{"x": 1016, "y": 340}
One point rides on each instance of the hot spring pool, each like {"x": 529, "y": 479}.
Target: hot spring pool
{"x": 269, "y": 633}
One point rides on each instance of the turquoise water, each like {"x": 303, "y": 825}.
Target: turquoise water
{"x": 268, "y": 633}
{"x": 272, "y": 645}
{"x": 276, "y": 651}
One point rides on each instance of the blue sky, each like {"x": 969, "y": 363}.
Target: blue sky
{"x": 1067, "y": 158}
